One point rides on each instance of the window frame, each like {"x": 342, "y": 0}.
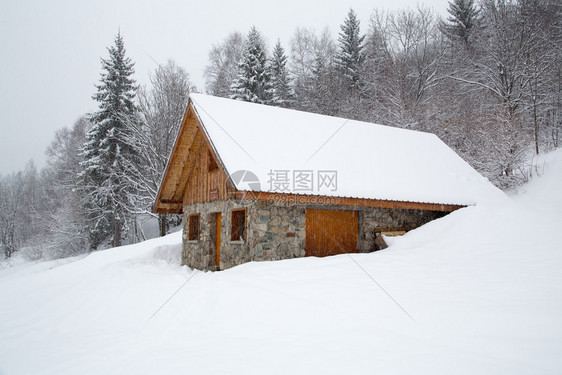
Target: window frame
{"x": 194, "y": 237}
{"x": 234, "y": 212}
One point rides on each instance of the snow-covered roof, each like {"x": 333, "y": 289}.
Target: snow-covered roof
{"x": 371, "y": 161}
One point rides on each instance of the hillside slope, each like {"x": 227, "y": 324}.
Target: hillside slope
{"x": 479, "y": 291}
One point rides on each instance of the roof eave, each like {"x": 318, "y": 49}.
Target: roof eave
{"x": 310, "y": 199}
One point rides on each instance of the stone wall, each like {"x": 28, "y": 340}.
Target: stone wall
{"x": 273, "y": 232}
{"x": 276, "y": 231}
{"x": 373, "y": 218}
{"x": 200, "y": 254}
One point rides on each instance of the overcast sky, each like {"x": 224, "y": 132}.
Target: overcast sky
{"x": 51, "y": 51}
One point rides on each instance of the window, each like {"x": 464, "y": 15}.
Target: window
{"x": 238, "y": 225}
{"x": 193, "y": 234}
{"x": 213, "y": 166}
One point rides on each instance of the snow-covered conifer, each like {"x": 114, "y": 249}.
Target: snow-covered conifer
{"x": 283, "y": 93}
{"x": 463, "y": 19}
{"x": 350, "y": 48}
{"x": 253, "y": 82}
{"x": 110, "y": 166}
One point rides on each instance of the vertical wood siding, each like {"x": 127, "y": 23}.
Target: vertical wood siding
{"x": 202, "y": 185}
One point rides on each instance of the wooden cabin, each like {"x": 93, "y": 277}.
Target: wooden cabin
{"x": 255, "y": 182}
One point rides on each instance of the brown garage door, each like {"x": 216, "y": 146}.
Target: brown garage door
{"x": 330, "y": 232}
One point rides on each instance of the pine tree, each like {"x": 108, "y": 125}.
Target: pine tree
{"x": 253, "y": 82}
{"x": 110, "y": 155}
{"x": 283, "y": 94}
{"x": 325, "y": 91}
{"x": 463, "y": 19}
{"x": 349, "y": 57}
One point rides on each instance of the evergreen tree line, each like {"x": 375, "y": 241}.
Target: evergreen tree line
{"x": 102, "y": 174}
{"x": 487, "y": 80}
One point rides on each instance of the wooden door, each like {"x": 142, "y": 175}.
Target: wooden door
{"x": 330, "y": 232}
{"x": 218, "y": 224}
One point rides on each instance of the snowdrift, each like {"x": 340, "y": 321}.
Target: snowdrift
{"x": 478, "y": 291}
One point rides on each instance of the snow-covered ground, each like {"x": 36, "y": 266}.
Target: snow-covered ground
{"x": 476, "y": 292}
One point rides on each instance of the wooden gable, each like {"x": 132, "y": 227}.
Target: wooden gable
{"x": 194, "y": 173}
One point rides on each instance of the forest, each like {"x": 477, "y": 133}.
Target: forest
{"x": 486, "y": 79}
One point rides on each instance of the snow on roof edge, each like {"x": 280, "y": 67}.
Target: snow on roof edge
{"x": 224, "y": 153}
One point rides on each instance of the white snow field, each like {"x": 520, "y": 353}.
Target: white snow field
{"x": 476, "y": 292}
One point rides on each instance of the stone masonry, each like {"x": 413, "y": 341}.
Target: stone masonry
{"x": 276, "y": 231}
